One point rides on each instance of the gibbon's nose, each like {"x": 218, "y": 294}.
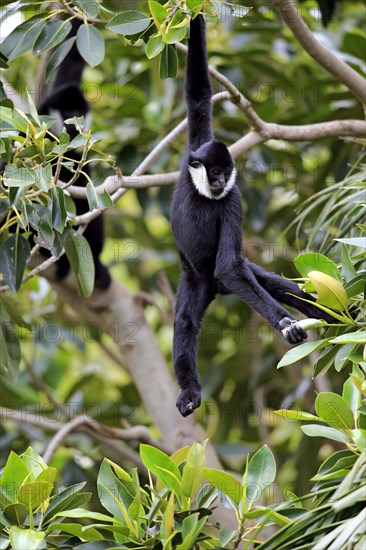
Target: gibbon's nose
{"x": 219, "y": 183}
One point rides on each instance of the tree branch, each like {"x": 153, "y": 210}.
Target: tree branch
{"x": 306, "y": 132}
{"x": 331, "y": 63}
{"x": 60, "y": 436}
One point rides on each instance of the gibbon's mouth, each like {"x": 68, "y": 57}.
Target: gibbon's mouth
{"x": 217, "y": 189}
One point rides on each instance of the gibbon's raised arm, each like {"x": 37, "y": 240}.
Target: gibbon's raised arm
{"x": 198, "y": 87}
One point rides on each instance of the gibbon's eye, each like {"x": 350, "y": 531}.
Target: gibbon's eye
{"x": 196, "y": 164}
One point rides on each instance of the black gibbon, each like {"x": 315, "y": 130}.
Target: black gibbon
{"x": 206, "y": 215}
{"x": 66, "y": 100}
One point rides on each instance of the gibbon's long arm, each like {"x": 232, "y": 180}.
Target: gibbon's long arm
{"x": 198, "y": 87}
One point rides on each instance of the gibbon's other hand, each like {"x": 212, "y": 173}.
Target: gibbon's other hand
{"x": 295, "y": 334}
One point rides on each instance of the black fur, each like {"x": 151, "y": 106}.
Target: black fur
{"x": 67, "y": 98}
{"x": 208, "y": 232}
{"x": 327, "y": 9}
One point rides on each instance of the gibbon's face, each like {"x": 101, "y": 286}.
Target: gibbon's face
{"x": 212, "y": 170}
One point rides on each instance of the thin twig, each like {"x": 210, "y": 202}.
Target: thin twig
{"x": 60, "y": 436}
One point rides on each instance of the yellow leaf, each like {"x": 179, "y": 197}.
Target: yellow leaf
{"x": 330, "y": 291}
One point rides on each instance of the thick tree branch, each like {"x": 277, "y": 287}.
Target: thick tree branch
{"x": 306, "y": 132}
{"x": 335, "y": 66}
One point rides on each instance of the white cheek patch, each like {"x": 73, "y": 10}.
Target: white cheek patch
{"x": 201, "y": 182}
{"x": 229, "y": 184}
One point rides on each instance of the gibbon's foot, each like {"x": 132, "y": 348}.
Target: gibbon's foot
{"x": 189, "y": 400}
{"x": 295, "y": 333}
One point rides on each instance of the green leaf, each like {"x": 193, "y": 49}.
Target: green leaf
{"x": 356, "y": 285}
{"x": 6, "y": 115}
{"x": 225, "y": 482}
{"x": 194, "y": 4}
{"x": 358, "y": 337}
{"x": 43, "y": 177}
{"x": 301, "y": 351}
{"x": 158, "y": 12}
{"x": 21, "y": 177}
{"x": 90, "y": 44}
{"x": 154, "y": 46}
{"x": 334, "y": 410}
{"x": 296, "y": 415}
{"x": 112, "y": 493}
{"x": 351, "y": 395}
{"x": 22, "y": 38}
{"x": 168, "y": 67}
{"x": 262, "y": 511}
{"x": 32, "y": 108}
{"x": 72, "y": 497}
{"x": 14, "y": 256}
{"x": 261, "y": 472}
{"x": 59, "y": 213}
{"x": 315, "y": 430}
{"x": 120, "y": 472}
{"x": 162, "y": 466}
{"x": 34, "y": 493}
{"x": 129, "y": 23}
{"x": 342, "y": 356}
{"x": 49, "y": 475}
{"x": 16, "y": 513}
{"x": 312, "y": 261}
{"x": 191, "y": 528}
{"x": 80, "y": 513}
{"x": 359, "y": 437}
{"x": 13, "y": 475}
{"x": 177, "y": 28}
{"x": 26, "y": 539}
{"x": 80, "y": 256}
{"x": 86, "y": 533}
{"x": 34, "y": 462}
{"x": 337, "y": 461}
{"x": 58, "y": 56}
{"x": 51, "y": 35}
{"x": 95, "y": 200}
{"x": 348, "y": 270}
{"x": 355, "y": 241}
{"x": 90, "y": 7}
{"x": 192, "y": 472}
{"x": 330, "y": 291}
{"x": 10, "y": 348}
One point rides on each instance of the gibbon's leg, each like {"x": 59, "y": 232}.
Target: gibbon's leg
{"x": 194, "y": 296}
{"x": 236, "y": 275}
{"x": 288, "y": 293}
